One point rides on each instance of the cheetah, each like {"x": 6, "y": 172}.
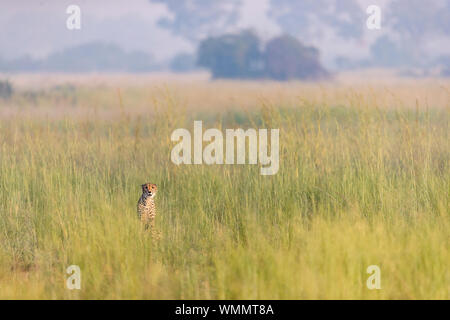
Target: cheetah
{"x": 146, "y": 208}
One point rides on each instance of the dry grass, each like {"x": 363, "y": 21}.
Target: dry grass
{"x": 364, "y": 179}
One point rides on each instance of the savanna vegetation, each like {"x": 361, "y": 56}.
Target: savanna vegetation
{"x": 364, "y": 180}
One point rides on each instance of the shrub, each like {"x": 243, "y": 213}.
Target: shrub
{"x": 6, "y": 89}
{"x": 231, "y": 55}
{"x": 240, "y": 56}
{"x": 287, "y": 58}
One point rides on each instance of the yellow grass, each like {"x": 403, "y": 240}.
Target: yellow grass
{"x": 364, "y": 180}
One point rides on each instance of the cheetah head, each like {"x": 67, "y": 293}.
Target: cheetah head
{"x": 149, "y": 189}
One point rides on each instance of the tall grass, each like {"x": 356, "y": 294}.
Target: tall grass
{"x": 360, "y": 183}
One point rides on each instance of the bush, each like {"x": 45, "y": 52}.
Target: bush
{"x": 231, "y": 56}
{"x": 6, "y": 89}
{"x": 240, "y": 56}
{"x": 287, "y": 58}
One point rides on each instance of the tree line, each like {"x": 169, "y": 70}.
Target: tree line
{"x": 243, "y": 56}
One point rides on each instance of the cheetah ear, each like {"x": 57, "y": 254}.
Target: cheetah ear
{"x": 143, "y": 186}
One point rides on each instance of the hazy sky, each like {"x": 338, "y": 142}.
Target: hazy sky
{"x": 38, "y": 27}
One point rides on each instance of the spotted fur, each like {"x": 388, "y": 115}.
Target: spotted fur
{"x": 146, "y": 207}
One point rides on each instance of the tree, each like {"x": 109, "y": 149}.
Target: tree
{"x": 287, "y": 58}
{"x": 232, "y": 55}
{"x": 198, "y": 19}
{"x": 6, "y": 89}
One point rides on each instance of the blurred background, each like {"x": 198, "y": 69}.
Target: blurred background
{"x": 86, "y": 117}
{"x": 257, "y": 39}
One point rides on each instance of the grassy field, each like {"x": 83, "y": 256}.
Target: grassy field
{"x": 364, "y": 180}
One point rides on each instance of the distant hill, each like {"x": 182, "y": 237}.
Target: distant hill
{"x": 90, "y": 57}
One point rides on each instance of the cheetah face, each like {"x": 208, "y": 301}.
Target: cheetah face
{"x": 149, "y": 189}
